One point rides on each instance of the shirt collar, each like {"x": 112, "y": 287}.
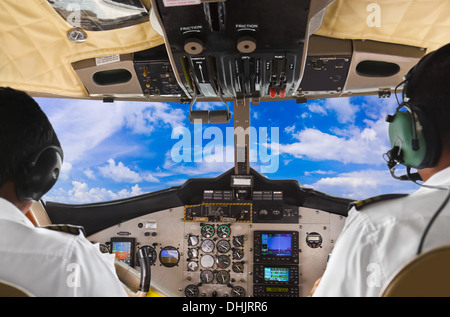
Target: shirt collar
{"x": 10, "y": 212}
{"x": 441, "y": 178}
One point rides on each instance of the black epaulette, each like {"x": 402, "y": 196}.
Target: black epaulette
{"x": 360, "y": 204}
{"x": 71, "y": 229}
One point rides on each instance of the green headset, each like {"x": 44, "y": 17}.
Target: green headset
{"x": 414, "y": 139}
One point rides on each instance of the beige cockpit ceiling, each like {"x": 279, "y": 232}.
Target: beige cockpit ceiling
{"x": 37, "y": 56}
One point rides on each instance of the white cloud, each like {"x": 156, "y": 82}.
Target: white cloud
{"x": 316, "y": 107}
{"x": 343, "y": 108}
{"x": 362, "y": 184}
{"x": 348, "y": 145}
{"x": 65, "y": 171}
{"x": 144, "y": 118}
{"x": 208, "y": 106}
{"x": 319, "y": 172}
{"x": 316, "y": 145}
{"x": 121, "y": 173}
{"x": 82, "y": 125}
{"x": 289, "y": 129}
{"x": 81, "y": 193}
{"x": 89, "y": 174}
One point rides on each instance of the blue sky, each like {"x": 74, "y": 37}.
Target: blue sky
{"x": 122, "y": 149}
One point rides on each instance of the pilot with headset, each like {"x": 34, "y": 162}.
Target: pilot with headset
{"x": 382, "y": 234}
{"x": 43, "y": 262}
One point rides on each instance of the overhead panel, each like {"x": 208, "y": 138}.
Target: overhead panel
{"x": 236, "y": 47}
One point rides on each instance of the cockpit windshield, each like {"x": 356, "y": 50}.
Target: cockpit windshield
{"x": 101, "y": 15}
{"x": 123, "y": 149}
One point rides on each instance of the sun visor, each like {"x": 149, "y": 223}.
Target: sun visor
{"x": 38, "y": 49}
{"x": 423, "y": 24}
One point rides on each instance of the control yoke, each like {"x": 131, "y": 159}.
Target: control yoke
{"x": 130, "y": 277}
{"x": 144, "y": 262}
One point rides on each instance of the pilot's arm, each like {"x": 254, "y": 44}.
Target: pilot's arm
{"x": 93, "y": 274}
{"x": 353, "y": 268}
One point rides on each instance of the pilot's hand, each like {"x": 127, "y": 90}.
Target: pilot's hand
{"x": 311, "y": 292}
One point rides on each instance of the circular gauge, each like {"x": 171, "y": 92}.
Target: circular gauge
{"x": 222, "y": 277}
{"x": 191, "y": 291}
{"x": 207, "y": 231}
{"x": 192, "y": 240}
{"x": 169, "y": 256}
{"x": 207, "y": 276}
{"x": 192, "y": 253}
{"x": 223, "y": 246}
{"x": 207, "y": 260}
{"x": 207, "y": 246}
{"x": 223, "y": 261}
{"x": 151, "y": 254}
{"x": 238, "y": 267}
{"x": 192, "y": 266}
{"x": 238, "y": 241}
{"x": 224, "y": 231}
{"x": 238, "y": 254}
{"x": 314, "y": 240}
{"x": 238, "y": 291}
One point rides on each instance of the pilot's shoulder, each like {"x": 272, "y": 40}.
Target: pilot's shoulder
{"x": 70, "y": 229}
{"x": 361, "y": 204}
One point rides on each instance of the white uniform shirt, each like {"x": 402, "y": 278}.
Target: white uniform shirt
{"x": 381, "y": 238}
{"x": 50, "y": 263}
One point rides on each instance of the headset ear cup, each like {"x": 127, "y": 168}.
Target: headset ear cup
{"x": 432, "y": 140}
{"x": 38, "y": 176}
{"x": 401, "y": 135}
{"x": 401, "y": 138}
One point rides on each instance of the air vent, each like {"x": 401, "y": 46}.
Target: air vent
{"x": 112, "y": 77}
{"x": 377, "y": 69}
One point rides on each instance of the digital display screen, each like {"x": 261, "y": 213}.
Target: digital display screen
{"x": 278, "y": 274}
{"x": 276, "y": 244}
{"x": 277, "y": 289}
{"x": 241, "y": 181}
{"x": 122, "y": 250}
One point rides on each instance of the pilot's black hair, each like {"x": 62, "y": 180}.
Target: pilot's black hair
{"x": 429, "y": 89}
{"x": 24, "y": 130}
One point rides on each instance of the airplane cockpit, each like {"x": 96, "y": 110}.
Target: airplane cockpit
{"x": 236, "y": 235}
{"x": 239, "y": 234}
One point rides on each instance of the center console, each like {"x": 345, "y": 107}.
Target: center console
{"x": 275, "y": 263}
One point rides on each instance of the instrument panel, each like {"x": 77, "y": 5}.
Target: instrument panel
{"x": 221, "y": 250}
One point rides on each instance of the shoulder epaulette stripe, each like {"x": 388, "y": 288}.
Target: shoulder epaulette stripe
{"x": 71, "y": 229}
{"x": 359, "y": 204}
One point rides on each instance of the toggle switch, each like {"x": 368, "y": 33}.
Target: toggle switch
{"x": 273, "y": 92}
